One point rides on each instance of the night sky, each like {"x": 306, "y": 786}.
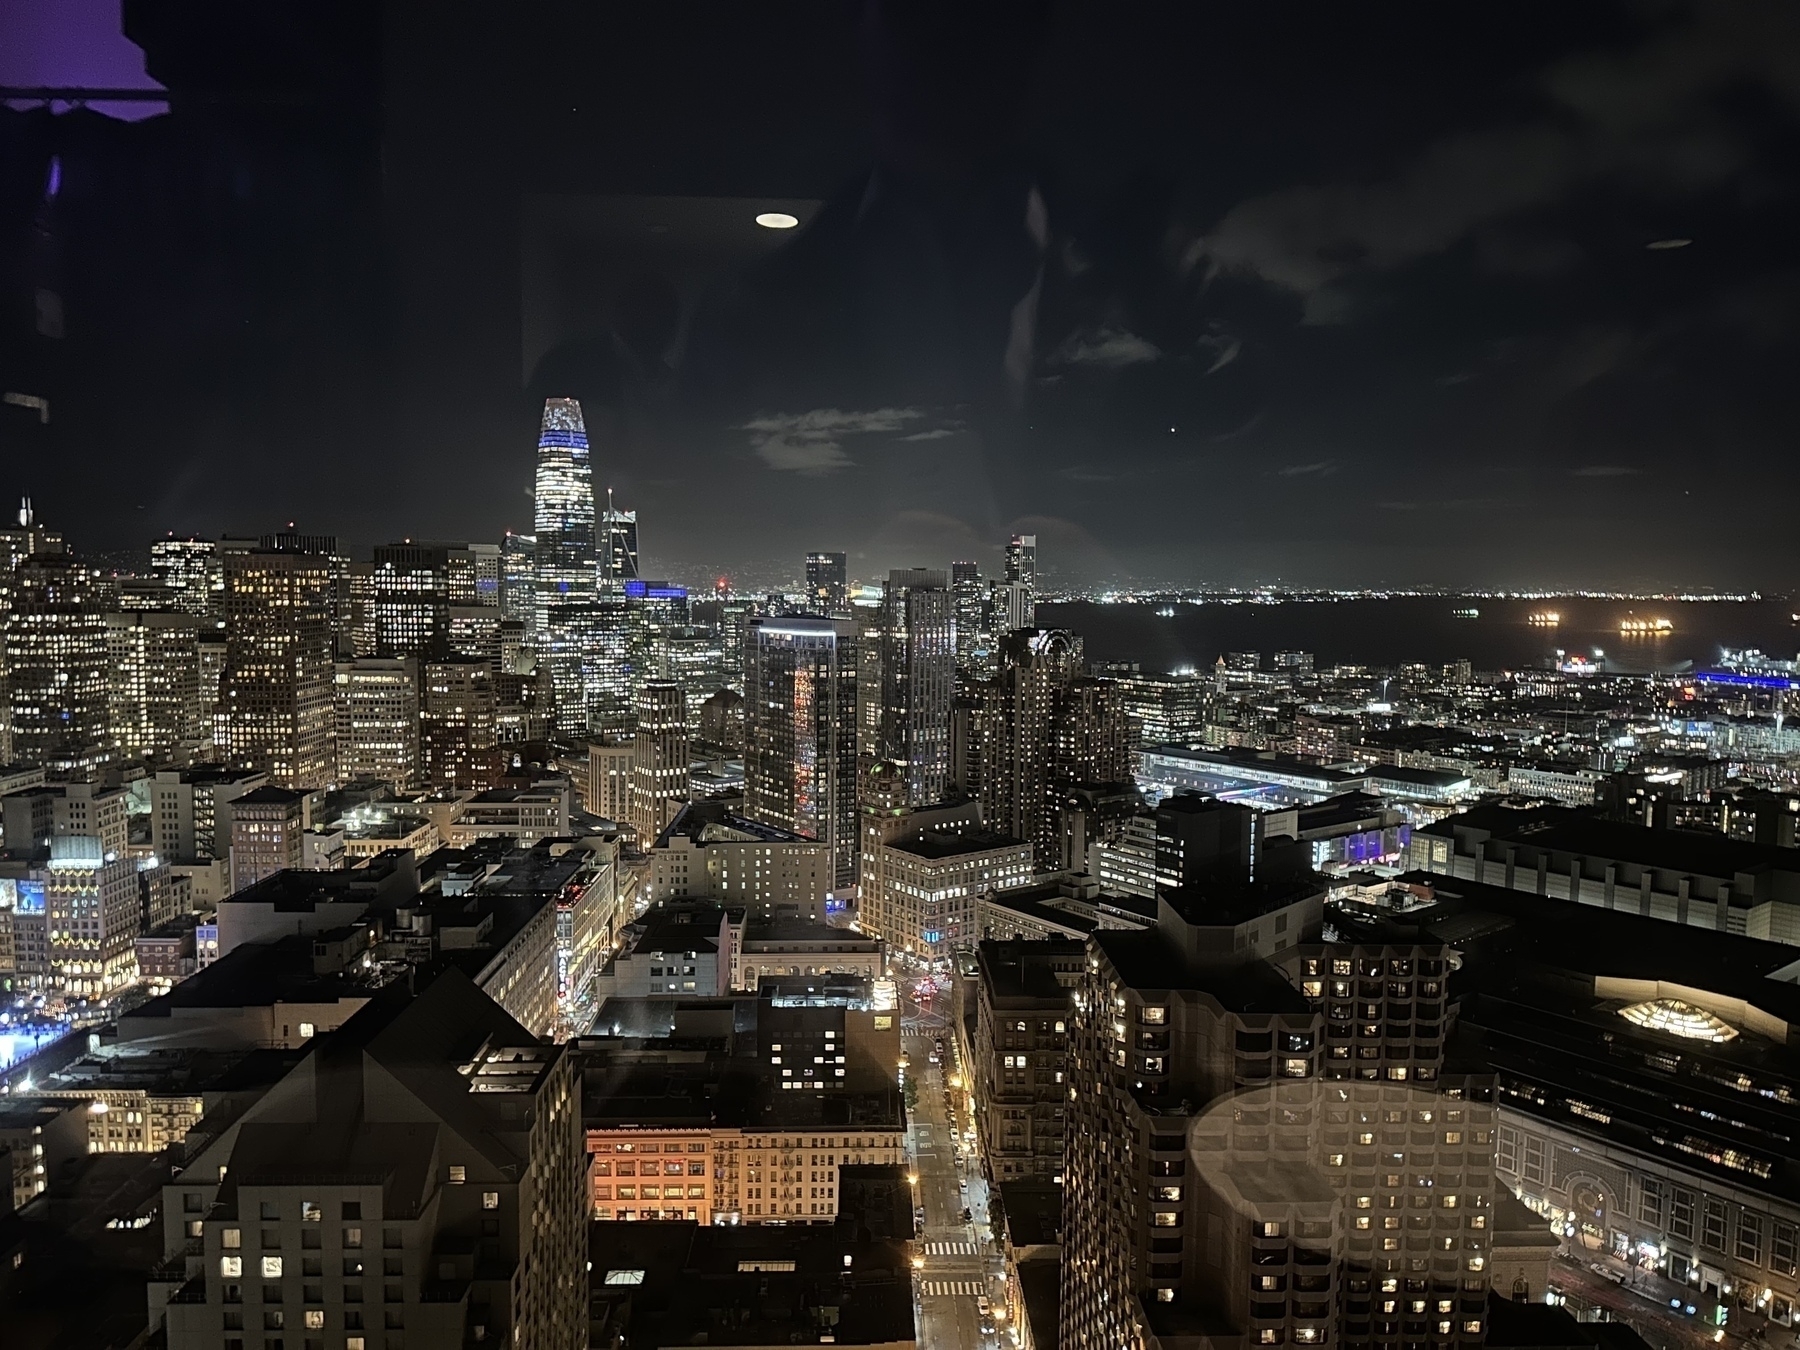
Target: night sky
{"x": 1324, "y": 294}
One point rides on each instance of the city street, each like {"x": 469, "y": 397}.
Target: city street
{"x": 961, "y": 1262}
{"x": 1643, "y": 1303}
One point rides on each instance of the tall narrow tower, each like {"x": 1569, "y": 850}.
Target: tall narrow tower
{"x": 918, "y": 677}
{"x": 566, "y": 572}
{"x": 800, "y": 732}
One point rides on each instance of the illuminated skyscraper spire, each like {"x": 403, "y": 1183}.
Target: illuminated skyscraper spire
{"x": 565, "y": 559}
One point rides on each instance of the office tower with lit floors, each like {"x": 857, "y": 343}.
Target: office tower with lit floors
{"x": 916, "y": 639}
{"x": 276, "y": 708}
{"x": 56, "y": 664}
{"x": 1043, "y": 728}
{"x": 376, "y": 706}
{"x": 800, "y": 754}
{"x": 565, "y": 574}
{"x": 153, "y": 686}
{"x": 192, "y": 570}
{"x": 417, "y": 1180}
{"x": 827, "y": 584}
{"x": 1281, "y": 1155}
{"x": 659, "y": 757}
{"x": 459, "y": 744}
{"x": 970, "y": 602}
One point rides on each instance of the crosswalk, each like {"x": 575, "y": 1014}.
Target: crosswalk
{"x": 951, "y": 1288}
{"x": 950, "y": 1249}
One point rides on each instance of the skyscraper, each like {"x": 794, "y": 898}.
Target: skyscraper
{"x": 618, "y": 543}
{"x": 518, "y": 581}
{"x": 56, "y": 661}
{"x": 275, "y": 710}
{"x": 1043, "y": 729}
{"x": 154, "y": 686}
{"x": 565, "y": 574}
{"x": 459, "y": 743}
{"x": 192, "y": 570}
{"x": 827, "y": 583}
{"x": 659, "y": 756}
{"x": 800, "y": 762}
{"x": 918, "y": 677}
{"x": 402, "y": 602}
{"x": 1014, "y": 600}
{"x": 377, "y": 718}
{"x": 970, "y": 602}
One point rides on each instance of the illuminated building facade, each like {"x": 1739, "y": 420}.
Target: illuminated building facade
{"x": 56, "y": 664}
{"x": 268, "y": 830}
{"x": 970, "y": 602}
{"x": 275, "y": 710}
{"x": 518, "y": 581}
{"x": 154, "y": 686}
{"x": 659, "y": 767}
{"x": 458, "y": 736}
{"x": 93, "y": 916}
{"x": 618, "y": 544}
{"x": 827, "y": 583}
{"x": 192, "y": 570}
{"x": 800, "y": 757}
{"x": 917, "y": 645}
{"x": 377, "y": 716}
{"x": 565, "y": 572}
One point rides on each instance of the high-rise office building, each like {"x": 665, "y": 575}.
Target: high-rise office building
{"x": 275, "y": 709}
{"x": 192, "y": 570}
{"x": 429, "y": 1154}
{"x": 1043, "y": 728}
{"x": 401, "y": 602}
{"x": 618, "y": 544}
{"x": 566, "y": 574}
{"x": 474, "y": 573}
{"x": 1021, "y": 570}
{"x": 518, "y": 580}
{"x": 659, "y": 760}
{"x": 377, "y": 717}
{"x": 459, "y": 743}
{"x": 828, "y": 584}
{"x": 800, "y": 756}
{"x": 56, "y": 665}
{"x": 16, "y": 544}
{"x": 918, "y": 677}
{"x": 970, "y": 601}
{"x": 153, "y": 686}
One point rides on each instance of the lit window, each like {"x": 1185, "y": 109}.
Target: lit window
{"x": 1678, "y": 1018}
{"x": 458, "y": 1174}
{"x": 315, "y": 1319}
{"x": 231, "y": 1267}
{"x": 271, "y": 1267}
{"x": 231, "y": 1238}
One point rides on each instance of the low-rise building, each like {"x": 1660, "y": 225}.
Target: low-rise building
{"x": 753, "y": 1103}
{"x": 926, "y": 886}
{"x": 681, "y": 1283}
{"x": 523, "y": 815}
{"x": 676, "y": 949}
{"x": 788, "y": 947}
{"x": 711, "y": 850}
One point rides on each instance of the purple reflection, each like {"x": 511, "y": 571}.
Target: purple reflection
{"x": 73, "y": 43}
